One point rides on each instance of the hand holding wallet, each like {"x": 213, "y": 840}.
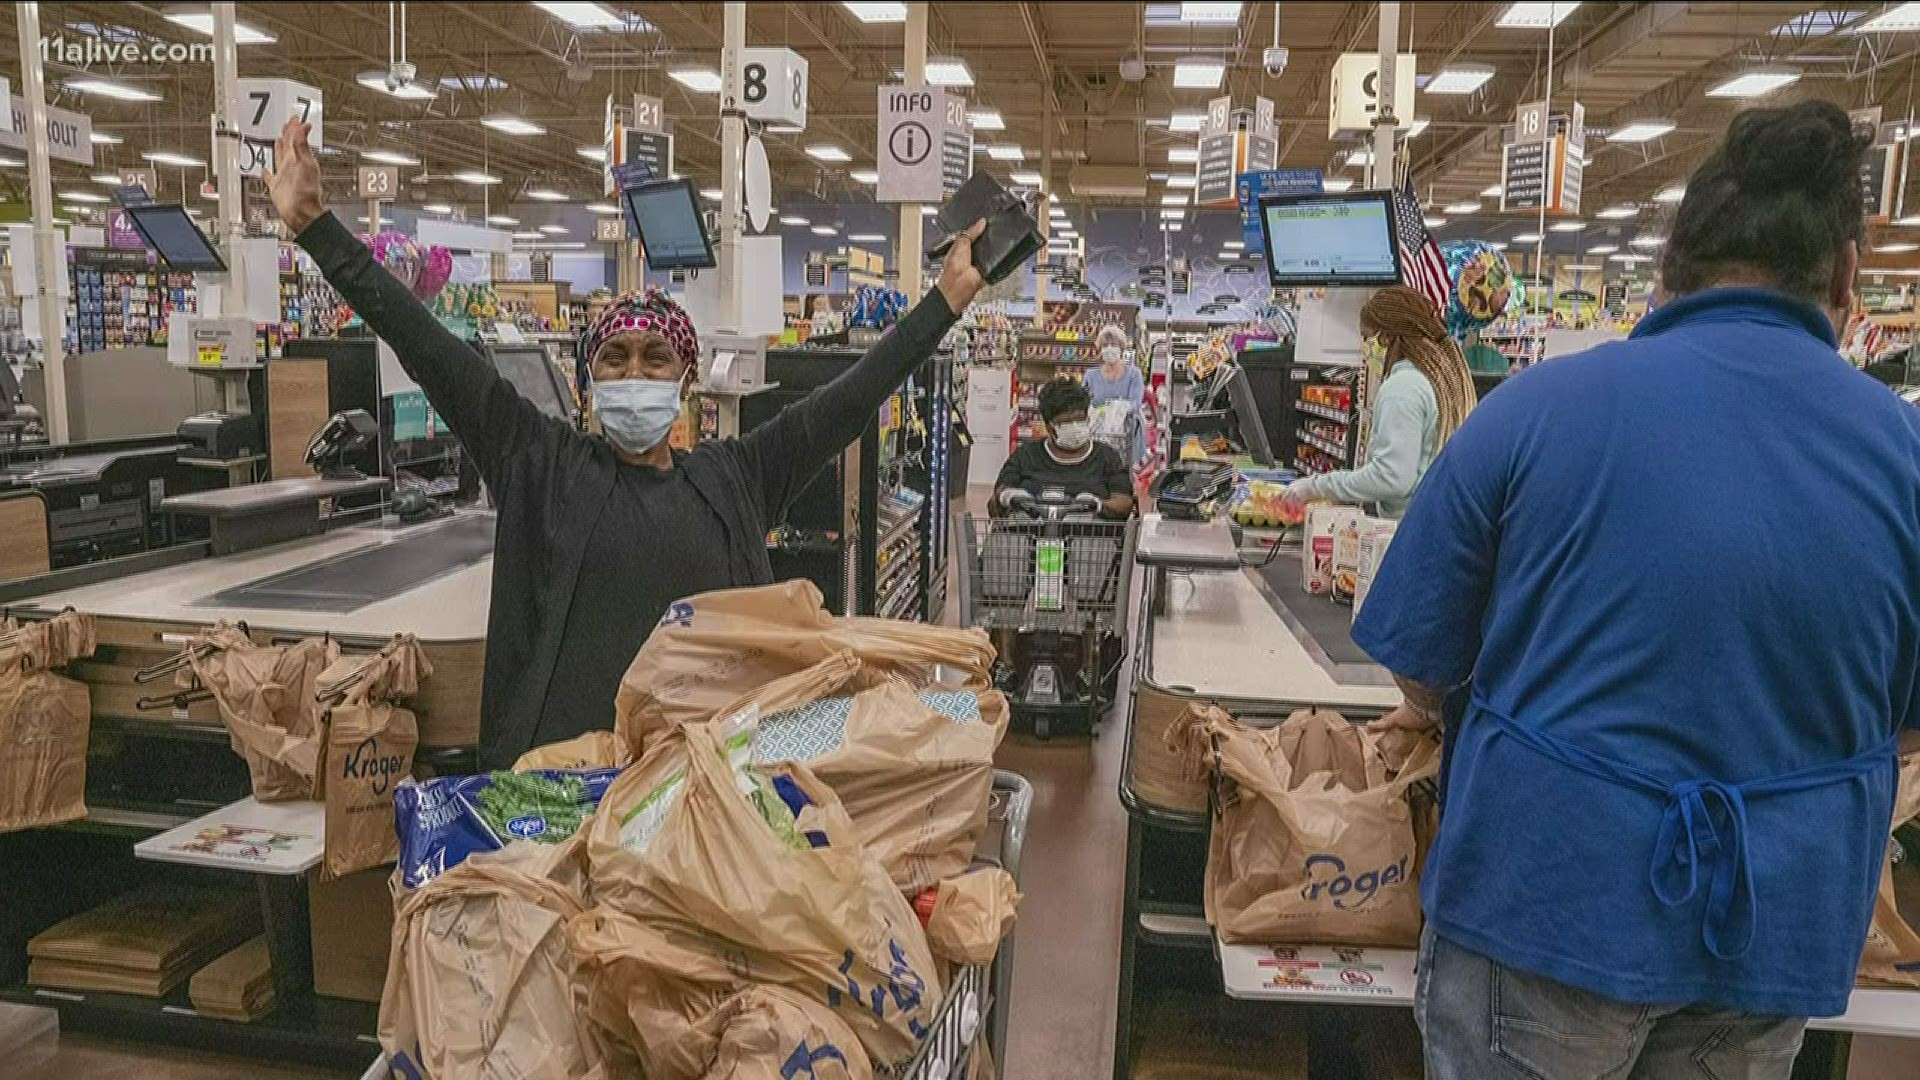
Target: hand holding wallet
{"x": 1011, "y": 237}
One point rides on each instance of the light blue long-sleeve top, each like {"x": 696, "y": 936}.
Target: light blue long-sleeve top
{"x": 1406, "y": 433}
{"x": 1129, "y": 387}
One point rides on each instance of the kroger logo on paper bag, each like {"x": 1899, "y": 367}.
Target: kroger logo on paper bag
{"x": 365, "y": 762}
{"x": 1327, "y": 877}
{"x": 679, "y": 613}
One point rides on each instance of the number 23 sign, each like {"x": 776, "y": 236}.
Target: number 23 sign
{"x": 264, "y": 108}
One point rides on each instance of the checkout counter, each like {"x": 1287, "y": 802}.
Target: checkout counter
{"x": 99, "y": 500}
{"x": 1232, "y": 628}
{"x": 159, "y": 764}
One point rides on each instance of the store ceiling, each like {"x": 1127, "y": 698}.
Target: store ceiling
{"x": 1622, "y": 61}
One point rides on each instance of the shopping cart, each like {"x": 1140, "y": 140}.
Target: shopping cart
{"x": 1051, "y": 587}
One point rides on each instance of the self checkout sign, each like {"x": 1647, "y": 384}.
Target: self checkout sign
{"x": 773, "y": 86}
{"x": 264, "y": 107}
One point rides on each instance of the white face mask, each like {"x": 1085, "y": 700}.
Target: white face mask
{"x": 636, "y": 414}
{"x": 1073, "y": 435}
{"x": 1112, "y": 356}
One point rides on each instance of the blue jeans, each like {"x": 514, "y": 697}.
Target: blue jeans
{"x": 1481, "y": 1020}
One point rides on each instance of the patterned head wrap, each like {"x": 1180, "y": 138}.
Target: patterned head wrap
{"x": 653, "y": 311}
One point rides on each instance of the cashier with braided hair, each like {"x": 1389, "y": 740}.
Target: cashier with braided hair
{"x": 598, "y": 535}
{"x": 1427, "y": 393}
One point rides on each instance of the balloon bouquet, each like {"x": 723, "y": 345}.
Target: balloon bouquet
{"x": 1484, "y": 285}
{"x": 424, "y": 270}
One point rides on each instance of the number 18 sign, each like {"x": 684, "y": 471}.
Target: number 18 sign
{"x": 264, "y": 108}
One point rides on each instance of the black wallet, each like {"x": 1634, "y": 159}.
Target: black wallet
{"x": 1011, "y": 236}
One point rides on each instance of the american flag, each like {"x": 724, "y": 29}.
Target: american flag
{"x": 1420, "y": 262}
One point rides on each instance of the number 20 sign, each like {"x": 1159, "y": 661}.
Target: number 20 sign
{"x": 773, "y": 86}
{"x": 264, "y": 107}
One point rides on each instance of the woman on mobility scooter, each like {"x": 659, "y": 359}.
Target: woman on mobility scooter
{"x": 1067, "y": 459}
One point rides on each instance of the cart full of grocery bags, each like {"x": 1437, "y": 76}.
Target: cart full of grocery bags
{"x": 792, "y": 858}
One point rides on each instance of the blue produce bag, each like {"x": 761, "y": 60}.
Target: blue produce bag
{"x": 444, "y": 820}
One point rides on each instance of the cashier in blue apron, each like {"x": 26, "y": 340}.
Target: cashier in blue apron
{"x": 597, "y": 535}
{"x": 1676, "y": 581}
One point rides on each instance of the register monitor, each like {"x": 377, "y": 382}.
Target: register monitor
{"x": 1330, "y": 240}
{"x": 531, "y": 373}
{"x": 172, "y": 235}
{"x": 665, "y": 215}
{"x": 1224, "y": 405}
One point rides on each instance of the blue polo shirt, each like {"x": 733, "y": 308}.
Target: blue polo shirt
{"x": 1683, "y": 574}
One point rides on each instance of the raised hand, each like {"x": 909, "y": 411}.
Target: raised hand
{"x": 294, "y": 183}
{"x": 960, "y": 280}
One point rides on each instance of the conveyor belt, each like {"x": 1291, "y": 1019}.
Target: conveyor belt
{"x": 1326, "y": 622}
{"x": 350, "y": 582}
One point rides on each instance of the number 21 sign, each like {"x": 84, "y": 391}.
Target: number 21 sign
{"x": 264, "y": 107}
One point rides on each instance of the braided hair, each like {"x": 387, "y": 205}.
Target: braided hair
{"x": 1405, "y": 320}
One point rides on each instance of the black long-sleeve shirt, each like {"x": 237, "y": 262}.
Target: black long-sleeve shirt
{"x": 589, "y": 550}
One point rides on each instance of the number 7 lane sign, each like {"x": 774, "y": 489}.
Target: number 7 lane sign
{"x": 264, "y": 108}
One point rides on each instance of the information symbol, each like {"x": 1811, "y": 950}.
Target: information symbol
{"x": 910, "y": 143}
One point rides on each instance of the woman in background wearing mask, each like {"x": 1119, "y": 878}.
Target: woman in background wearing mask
{"x": 597, "y": 536}
{"x": 1067, "y": 458}
{"x": 1117, "y": 380}
{"x": 1426, "y": 394}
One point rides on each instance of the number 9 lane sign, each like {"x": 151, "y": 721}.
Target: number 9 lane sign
{"x": 264, "y": 107}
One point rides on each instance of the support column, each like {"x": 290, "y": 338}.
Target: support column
{"x": 733, "y": 150}
{"x": 1384, "y": 122}
{"x": 226, "y": 158}
{"x": 33, "y": 88}
{"x": 910, "y": 252}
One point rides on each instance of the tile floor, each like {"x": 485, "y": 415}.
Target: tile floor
{"x": 1066, "y": 965}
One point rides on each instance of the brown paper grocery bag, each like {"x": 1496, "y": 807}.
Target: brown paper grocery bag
{"x": 811, "y": 911}
{"x": 594, "y": 750}
{"x": 265, "y": 696}
{"x": 1313, "y": 841}
{"x": 370, "y": 744}
{"x": 688, "y": 1015}
{"x": 971, "y": 914}
{"x": 916, "y": 784}
{"x": 1892, "y": 954}
{"x": 712, "y": 649}
{"x": 45, "y": 720}
{"x": 481, "y": 983}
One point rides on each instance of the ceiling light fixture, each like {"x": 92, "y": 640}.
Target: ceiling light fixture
{"x": 512, "y": 125}
{"x": 1582, "y": 267}
{"x": 83, "y": 197}
{"x": 168, "y": 157}
{"x": 553, "y": 230}
{"x": 101, "y": 138}
{"x": 1647, "y": 241}
{"x": 1210, "y": 14}
{"x": 1183, "y": 182}
{"x": 592, "y": 153}
{"x": 406, "y": 91}
{"x": 1183, "y": 155}
{"x": 1566, "y": 226}
{"x": 1603, "y": 249}
{"x": 1025, "y": 176}
{"x": 583, "y": 16}
{"x": 1527, "y": 238}
{"x": 113, "y": 179}
{"x": 1460, "y": 78}
{"x": 502, "y": 219}
{"x": 527, "y": 234}
{"x": 1433, "y": 222}
{"x": 389, "y": 157}
{"x": 437, "y": 208}
{"x": 476, "y": 177}
{"x": 824, "y": 230}
{"x": 1173, "y": 215}
{"x": 1417, "y": 128}
{"x": 700, "y": 80}
{"x": 117, "y": 91}
{"x": 713, "y": 194}
{"x": 1187, "y": 120}
{"x": 877, "y": 13}
{"x": 1629, "y": 257}
{"x": 1173, "y": 198}
{"x": 601, "y": 208}
{"x": 1360, "y": 157}
{"x": 986, "y": 120}
{"x": 1618, "y": 213}
{"x": 793, "y": 219}
{"x": 1640, "y": 131}
{"x": 1491, "y": 191}
{"x": 866, "y": 238}
{"x": 1896, "y": 248}
{"x": 201, "y": 22}
{"x": 1463, "y": 208}
{"x": 1755, "y": 83}
{"x": 865, "y": 176}
{"x": 1198, "y": 73}
{"x": 1336, "y": 183}
{"x": 1006, "y": 153}
{"x": 1534, "y": 16}
{"x": 1893, "y": 21}
{"x": 827, "y": 152}
{"x": 948, "y": 71}
{"x": 1497, "y": 245}
{"x": 546, "y": 195}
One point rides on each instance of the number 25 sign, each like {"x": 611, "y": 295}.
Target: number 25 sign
{"x": 264, "y": 108}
